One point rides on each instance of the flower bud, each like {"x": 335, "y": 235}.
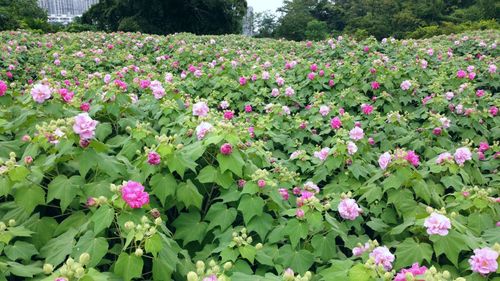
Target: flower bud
{"x": 129, "y": 225}
{"x": 446, "y": 274}
{"x": 84, "y": 258}
{"x": 48, "y": 268}
{"x": 12, "y": 222}
{"x": 2, "y": 226}
{"x": 212, "y": 263}
{"x": 70, "y": 261}
{"x": 258, "y": 246}
{"x": 200, "y": 265}
{"x": 79, "y": 272}
{"x": 228, "y": 266}
{"x": 139, "y": 252}
{"x": 158, "y": 221}
{"x": 192, "y": 276}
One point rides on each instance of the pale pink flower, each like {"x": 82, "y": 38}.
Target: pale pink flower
{"x": 449, "y": 95}
{"x": 492, "y": 68}
{"x": 445, "y": 156}
{"x": 84, "y": 126}
{"x": 349, "y": 209}
{"x": 157, "y": 88}
{"x": 296, "y": 154}
{"x": 382, "y": 256}
{"x": 356, "y": 133}
{"x": 384, "y": 160}
{"x": 200, "y": 109}
{"x": 351, "y": 148}
{"x": 224, "y": 104}
{"x": 324, "y": 110}
{"x": 484, "y": 261}
{"x": 405, "y": 85}
{"x": 289, "y": 91}
{"x": 437, "y": 224}
{"x": 203, "y": 129}
{"x": 461, "y": 155}
{"x": 134, "y": 195}
{"x": 40, "y": 93}
{"x": 322, "y": 154}
{"x": 445, "y": 122}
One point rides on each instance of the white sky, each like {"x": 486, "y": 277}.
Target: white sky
{"x": 262, "y": 5}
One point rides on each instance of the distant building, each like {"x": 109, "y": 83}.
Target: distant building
{"x": 248, "y": 22}
{"x": 64, "y": 11}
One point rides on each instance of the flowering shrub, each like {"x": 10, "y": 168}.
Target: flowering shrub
{"x": 128, "y": 156}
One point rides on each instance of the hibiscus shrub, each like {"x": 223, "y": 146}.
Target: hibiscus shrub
{"x": 129, "y": 156}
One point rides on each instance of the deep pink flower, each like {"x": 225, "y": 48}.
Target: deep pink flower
{"x": 241, "y": 183}
{"x": 311, "y": 75}
{"x": 84, "y": 126}
{"x": 349, "y": 209}
{"x": 242, "y": 81}
{"x": 437, "y": 131}
{"x": 412, "y": 158}
{"x": 484, "y": 261}
{"x": 284, "y": 193}
{"x": 134, "y": 195}
{"x": 226, "y": 149}
{"x": 382, "y": 256}
{"x": 3, "y": 88}
{"x": 437, "y": 224}
{"x": 367, "y": 108}
{"x": 248, "y": 108}
{"x": 154, "y": 158}
{"x": 415, "y": 271}
{"x": 472, "y": 75}
{"x": 483, "y": 146}
{"x": 336, "y": 123}
{"x": 314, "y": 67}
{"x": 261, "y": 183}
{"x": 480, "y": 93}
{"x": 461, "y": 73}
{"x": 331, "y": 83}
{"x": 375, "y": 85}
{"x": 228, "y": 115}
{"x": 493, "y": 110}
{"x": 85, "y": 106}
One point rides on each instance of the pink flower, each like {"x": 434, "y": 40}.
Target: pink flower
{"x": 40, "y": 93}
{"x": 3, "y": 88}
{"x": 311, "y": 75}
{"x": 483, "y": 146}
{"x": 200, "y": 109}
{"x": 461, "y": 73}
{"x": 367, "y": 108}
{"x": 261, "y": 183}
{"x": 324, "y": 110}
{"x": 84, "y": 126}
{"x": 158, "y": 90}
{"x": 480, "y": 93}
{"x": 472, "y": 75}
{"x": 284, "y": 193}
{"x": 356, "y": 133}
{"x": 375, "y": 85}
{"x": 437, "y": 224}
{"x": 299, "y": 213}
{"x": 412, "y": 158}
{"x": 437, "y": 131}
{"x": 484, "y": 261}
{"x": 228, "y": 115}
{"x": 405, "y": 85}
{"x": 349, "y": 209}
{"x": 314, "y": 67}
{"x": 449, "y": 95}
{"x": 248, "y": 108}
{"x": 226, "y": 149}
{"x": 144, "y": 84}
{"x": 134, "y": 195}
{"x": 371, "y": 141}
{"x": 335, "y": 123}
{"x": 415, "y": 270}
{"x": 382, "y": 256}
{"x": 351, "y": 148}
{"x": 289, "y": 91}
{"x": 358, "y": 251}
{"x": 322, "y": 154}
{"x": 492, "y": 68}
{"x": 85, "y": 107}
{"x": 224, "y": 104}
{"x": 154, "y": 158}
{"x": 445, "y": 156}
{"x": 461, "y": 155}
{"x": 203, "y": 129}
{"x": 242, "y": 81}
{"x": 384, "y": 160}
{"x": 493, "y": 110}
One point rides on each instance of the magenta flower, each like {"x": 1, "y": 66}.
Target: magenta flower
{"x": 375, "y": 85}
{"x": 41, "y": 93}
{"x": 228, "y": 115}
{"x": 248, "y": 108}
{"x": 226, "y": 149}
{"x": 134, "y": 195}
{"x": 367, "y": 108}
{"x": 311, "y": 76}
{"x": 336, "y": 123}
{"x": 314, "y": 67}
{"x": 412, "y": 158}
{"x": 461, "y": 73}
{"x": 84, "y": 126}
{"x": 382, "y": 256}
{"x": 415, "y": 270}
{"x": 3, "y": 88}
{"x": 349, "y": 209}
{"x": 483, "y": 146}
{"x": 493, "y": 110}
{"x": 85, "y": 107}
{"x": 284, "y": 193}
{"x": 461, "y": 155}
{"x": 437, "y": 224}
{"x": 261, "y": 183}
{"x": 154, "y": 158}
{"x": 243, "y": 81}
{"x": 484, "y": 261}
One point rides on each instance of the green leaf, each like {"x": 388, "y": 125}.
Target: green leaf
{"x": 19, "y": 173}
{"x": 56, "y": 250}
{"x": 248, "y": 252}
{"x": 409, "y": 252}
{"x": 300, "y": 261}
{"x": 163, "y": 185}
{"x": 21, "y": 270}
{"x": 28, "y": 197}
{"x": 360, "y": 273}
{"x": 233, "y": 162}
{"x": 207, "y": 174}
{"x": 102, "y": 218}
{"x": 129, "y": 266}
{"x": 87, "y": 160}
{"x": 451, "y": 245}
{"x": 324, "y": 246}
{"x": 261, "y": 224}
{"x": 251, "y": 206}
{"x": 96, "y": 247}
{"x": 154, "y": 244}
{"x": 338, "y": 271}
{"x": 103, "y": 130}
{"x": 188, "y": 194}
{"x": 188, "y": 227}
{"x": 296, "y": 230}
{"x": 20, "y": 250}
{"x": 220, "y": 215}
{"x": 64, "y": 189}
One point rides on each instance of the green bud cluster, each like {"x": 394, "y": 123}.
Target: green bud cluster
{"x": 212, "y": 269}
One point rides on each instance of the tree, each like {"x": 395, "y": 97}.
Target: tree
{"x": 17, "y": 13}
{"x": 265, "y": 24}
{"x": 316, "y": 30}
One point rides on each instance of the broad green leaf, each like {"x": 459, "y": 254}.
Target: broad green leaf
{"x": 233, "y": 162}
{"x": 324, "y": 246}
{"x": 163, "y": 185}
{"x": 154, "y": 244}
{"x": 338, "y": 271}
{"x": 261, "y": 224}
{"x": 20, "y": 250}
{"x": 300, "y": 261}
{"x": 360, "y": 273}
{"x": 102, "y": 218}
{"x": 189, "y": 227}
{"x": 19, "y": 173}
{"x": 28, "y": 197}
{"x": 251, "y": 206}
{"x": 64, "y": 189}
{"x": 220, "y": 215}
{"x": 96, "y": 247}
{"x": 58, "y": 248}
{"x": 188, "y": 194}
{"x": 248, "y": 252}
{"x": 296, "y": 230}
{"x": 21, "y": 270}
{"x": 450, "y": 245}
{"x": 129, "y": 266}
{"x": 409, "y": 252}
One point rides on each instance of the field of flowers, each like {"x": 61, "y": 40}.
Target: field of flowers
{"x": 128, "y": 156}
